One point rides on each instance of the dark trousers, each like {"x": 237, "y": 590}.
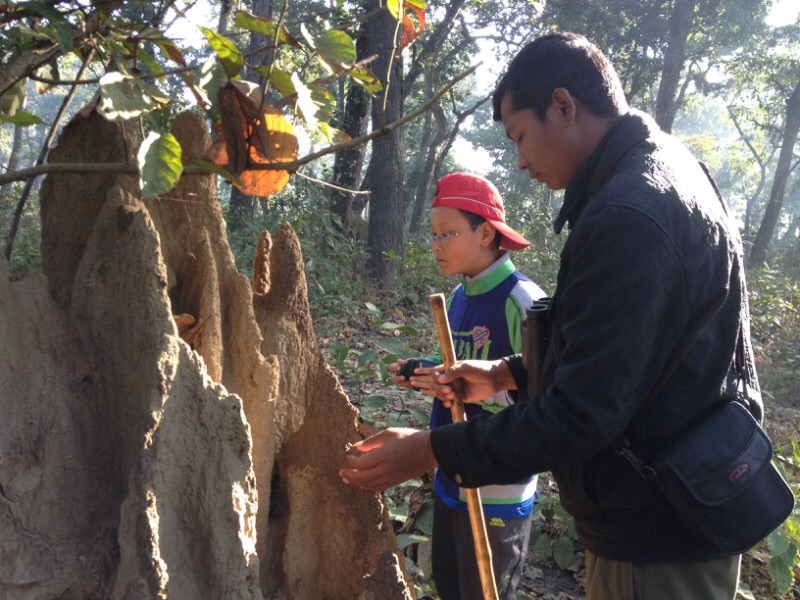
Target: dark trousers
{"x": 455, "y": 568}
{"x": 608, "y": 579}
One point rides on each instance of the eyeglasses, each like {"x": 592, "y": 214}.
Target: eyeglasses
{"x": 444, "y": 238}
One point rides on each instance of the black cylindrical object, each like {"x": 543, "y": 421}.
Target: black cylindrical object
{"x": 535, "y": 337}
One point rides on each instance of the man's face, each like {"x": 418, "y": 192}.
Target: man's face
{"x": 543, "y": 147}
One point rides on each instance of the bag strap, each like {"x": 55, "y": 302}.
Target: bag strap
{"x": 623, "y": 446}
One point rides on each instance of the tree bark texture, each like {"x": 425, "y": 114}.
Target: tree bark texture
{"x": 680, "y": 26}
{"x": 386, "y": 171}
{"x": 758, "y": 253}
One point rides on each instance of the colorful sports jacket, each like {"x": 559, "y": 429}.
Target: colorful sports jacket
{"x": 485, "y": 314}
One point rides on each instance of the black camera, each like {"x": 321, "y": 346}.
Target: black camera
{"x": 407, "y": 370}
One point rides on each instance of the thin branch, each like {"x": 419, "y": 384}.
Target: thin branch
{"x": 290, "y": 166}
{"x": 12, "y": 234}
{"x": 332, "y": 185}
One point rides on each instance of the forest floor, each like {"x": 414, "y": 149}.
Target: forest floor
{"x": 384, "y": 405}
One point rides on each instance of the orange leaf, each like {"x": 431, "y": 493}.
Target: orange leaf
{"x": 413, "y": 26}
{"x": 253, "y": 132}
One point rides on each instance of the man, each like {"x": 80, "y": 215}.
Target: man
{"x": 649, "y": 300}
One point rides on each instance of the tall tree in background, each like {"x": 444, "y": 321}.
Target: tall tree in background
{"x": 766, "y": 94}
{"x": 786, "y": 163}
{"x": 661, "y": 46}
{"x": 386, "y": 170}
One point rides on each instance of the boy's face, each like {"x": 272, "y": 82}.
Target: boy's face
{"x": 543, "y": 147}
{"x": 467, "y": 253}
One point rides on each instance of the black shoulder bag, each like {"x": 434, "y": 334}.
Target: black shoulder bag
{"x": 718, "y": 473}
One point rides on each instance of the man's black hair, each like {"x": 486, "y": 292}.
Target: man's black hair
{"x": 561, "y": 59}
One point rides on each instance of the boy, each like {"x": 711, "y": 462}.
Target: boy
{"x": 469, "y": 237}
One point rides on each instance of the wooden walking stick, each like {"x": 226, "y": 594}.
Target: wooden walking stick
{"x": 483, "y": 553}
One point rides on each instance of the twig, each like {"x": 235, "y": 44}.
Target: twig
{"x": 12, "y": 234}
{"x": 290, "y": 166}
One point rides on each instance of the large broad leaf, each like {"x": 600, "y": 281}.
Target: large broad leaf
{"x": 122, "y": 97}
{"x": 160, "y": 163}
{"x": 413, "y": 26}
{"x": 278, "y": 79}
{"x": 226, "y": 51}
{"x": 59, "y": 26}
{"x": 563, "y": 550}
{"x": 366, "y": 78}
{"x": 21, "y": 119}
{"x": 266, "y": 27}
{"x": 305, "y": 104}
{"x": 14, "y": 96}
{"x": 395, "y": 7}
{"x": 336, "y": 49}
{"x": 211, "y": 78}
{"x": 253, "y": 133}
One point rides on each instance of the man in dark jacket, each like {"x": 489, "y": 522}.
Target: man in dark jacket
{"x": 650, "y": 274}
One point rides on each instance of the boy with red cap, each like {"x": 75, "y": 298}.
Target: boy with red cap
{"x": 469, "y": 237}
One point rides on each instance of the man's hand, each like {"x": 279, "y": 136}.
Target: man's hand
{"x": 389, "y": 458}
{"x": 479, "y": 379}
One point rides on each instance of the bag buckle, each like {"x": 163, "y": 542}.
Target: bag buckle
{"x": 646, "y": 471}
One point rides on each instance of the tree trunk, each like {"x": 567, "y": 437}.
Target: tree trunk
{"x": 386, "y": 170}
{"x": 347, "y": 164}
{"x": 260, "y": 53}
{"x": 674, "y": 58}
{"x": 16, "y": 147}
{"x": 758, "y": 253}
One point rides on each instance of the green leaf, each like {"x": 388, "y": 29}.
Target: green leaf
{"x": 213, "y": 167}
{"x": 21, "y": 119}
{"x": 367, "y": 356}
{"x": 563, "y": 550}
{"x": 226, "y": 51}
{"x": 304, "y": 102}
{"x": 406, "y": 539}
{"x": 333, "y": 135}
{"x": 122, "y": 97}
{"x": 366, "y": 79}
{"x": 395, "y": 7}
{"x": 777, "y": 542}
{"x": 250, "y": 22}
{"x": 336, "y": 49}
{"x": 781, "y": 573}
{"x": 408, "y": 329}
{"x": 13, "y": 97}
{"x": 60, "y": 27}
{"x": 424, "y": 520}
{"x": 211, "y": 75}
{"x": 374, "y": 401}
{"x": 542, "y": 547}
{"x": 419, "y": 414}
{"x": 159, "y": 163}
{"x": 278, "y": 79}
{"x": 392, "y": 345}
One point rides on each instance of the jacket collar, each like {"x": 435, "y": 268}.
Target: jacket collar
{"x": 624, "y": 134}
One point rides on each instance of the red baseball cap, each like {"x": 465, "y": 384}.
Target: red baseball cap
{"x": 477, "y": 195}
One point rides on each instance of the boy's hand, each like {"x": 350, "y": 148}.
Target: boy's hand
{"x": 416, "y": 374}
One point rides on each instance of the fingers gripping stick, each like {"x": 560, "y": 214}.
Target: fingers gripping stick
{"x": 483, "y": 553}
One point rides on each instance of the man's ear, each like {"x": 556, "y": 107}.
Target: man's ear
{"x": 563, "y": 103}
